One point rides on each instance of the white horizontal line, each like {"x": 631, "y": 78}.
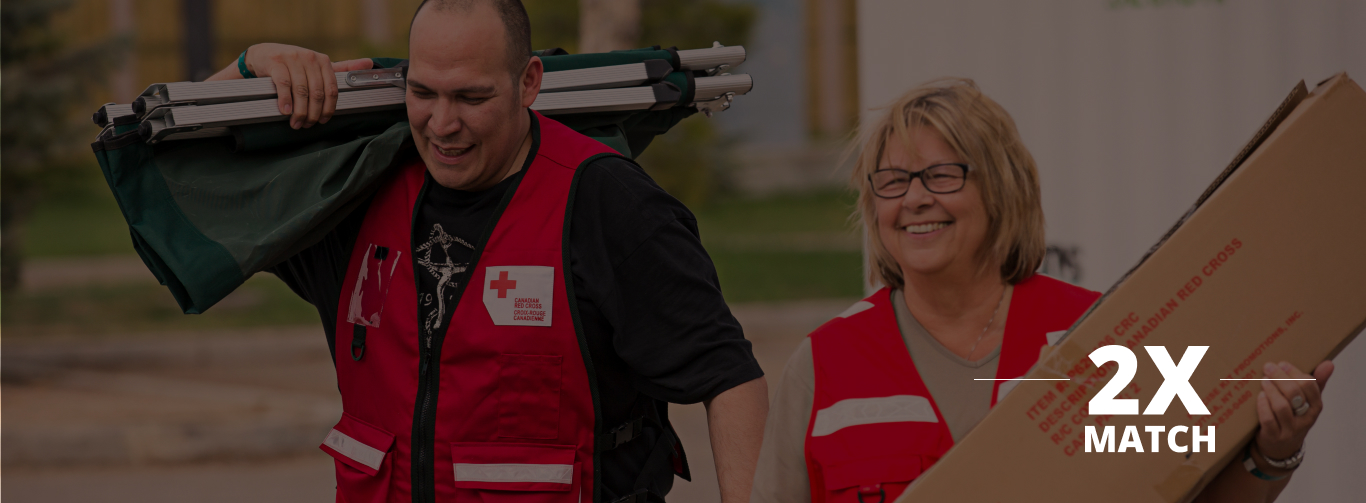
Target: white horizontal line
{"x": 1268, "y": 379}
{"x": 1022, "y": 379}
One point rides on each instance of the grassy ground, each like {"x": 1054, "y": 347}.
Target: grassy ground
{"x": 765, "y": 249}
{"x": 148, "y": 307}
{"x": 783, "y": 247}
{"x": 80, "y": 220}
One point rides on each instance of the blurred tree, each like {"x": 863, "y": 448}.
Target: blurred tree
{"x": 686, "y": 161}
{"x": 608, "y": 25}
{"x": 40, "y": 80}
{"x": 695, "y": 24}
{"x": 554, "y": 23}
{"x": 690, "y": 161}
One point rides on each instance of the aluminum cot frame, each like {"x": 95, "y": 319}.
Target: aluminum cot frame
{"x": 184, "y": 110}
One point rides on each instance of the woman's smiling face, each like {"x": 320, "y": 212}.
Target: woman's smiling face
{"x": 929, "y": 233}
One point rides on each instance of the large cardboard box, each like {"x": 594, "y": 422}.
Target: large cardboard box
{"x": 1269, "y": 265}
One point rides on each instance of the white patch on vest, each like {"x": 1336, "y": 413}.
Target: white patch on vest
{"x": 354, "y": 449}
{"x": 1006, "y": 387}
{"x": 1054, "y": 337}
{"x": 514, "y": 472}
{"x": 519, "y": 295}
{"x": 887, "y": 409}
{"x": 858, "y": 307}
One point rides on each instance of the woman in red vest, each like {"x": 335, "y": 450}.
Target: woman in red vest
{"x": 949, "y": 197}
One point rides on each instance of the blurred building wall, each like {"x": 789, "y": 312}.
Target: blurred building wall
{"x": 1129, "y": 111}
{"x": 1131, "y": 107}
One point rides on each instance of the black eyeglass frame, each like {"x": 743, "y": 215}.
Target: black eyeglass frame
{"x": 920, "y": 174}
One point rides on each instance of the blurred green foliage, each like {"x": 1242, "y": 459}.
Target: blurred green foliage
{"x": 688, "y": 24}
{"x": 695, "y": 24}
{"x": 554, "y": 23}
{"x": 40, "y": 81}
{"x": 690, "y": 160}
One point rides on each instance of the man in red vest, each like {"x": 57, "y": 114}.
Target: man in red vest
{"x": 513, "y": 308}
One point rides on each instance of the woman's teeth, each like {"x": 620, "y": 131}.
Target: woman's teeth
{"x": 925, "y": 228}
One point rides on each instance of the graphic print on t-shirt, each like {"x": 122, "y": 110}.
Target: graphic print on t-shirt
{"x": 435, "y": 256}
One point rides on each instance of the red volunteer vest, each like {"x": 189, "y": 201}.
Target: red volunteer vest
{"x": 501, "y": 405}
{"x": 874, "y": 426}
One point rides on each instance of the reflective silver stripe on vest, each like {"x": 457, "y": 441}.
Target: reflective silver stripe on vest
{"x": 887, "y": 409}
{"x": 512, "y": 472}
{"x": 354, "y": 449}
{"x": 858, "y": 307}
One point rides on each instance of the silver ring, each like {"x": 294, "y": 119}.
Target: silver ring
{"x": 1302, "y": 409}
{"x": 1297, "y": 402}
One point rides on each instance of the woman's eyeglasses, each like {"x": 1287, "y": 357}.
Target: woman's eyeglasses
{"x": 938, "y": 179}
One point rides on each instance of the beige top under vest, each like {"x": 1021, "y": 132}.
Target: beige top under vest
{"x": 781, "y": 476}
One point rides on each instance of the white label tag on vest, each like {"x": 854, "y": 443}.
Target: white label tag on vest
{"x": 519, "y": 295}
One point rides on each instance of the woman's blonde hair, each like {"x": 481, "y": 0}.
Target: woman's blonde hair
{"x": 980, "y": 131}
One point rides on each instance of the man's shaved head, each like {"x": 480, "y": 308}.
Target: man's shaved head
{"x": 470, "y": 80}
{"x": 516, "y": 25}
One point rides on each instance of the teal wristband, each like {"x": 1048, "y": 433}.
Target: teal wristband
{"x": 242, "y": 66}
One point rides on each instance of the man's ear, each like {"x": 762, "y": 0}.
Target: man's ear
{"x": 531, "y": 81}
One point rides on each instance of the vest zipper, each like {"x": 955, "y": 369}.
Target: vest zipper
{"x": 429, "y": 367}
{"x": 426, "y": 444}
{"x": 423, "y": 434}
{"x": 429, "y": 380}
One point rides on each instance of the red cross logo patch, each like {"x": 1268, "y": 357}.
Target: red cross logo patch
{"x": 519, "y": 295}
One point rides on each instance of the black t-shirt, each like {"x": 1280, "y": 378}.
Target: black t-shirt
{"x": 649, "y": 301}
{"x": 447, "y": 230}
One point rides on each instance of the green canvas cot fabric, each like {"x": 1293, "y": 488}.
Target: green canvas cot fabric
{"x": 207, "y": 214}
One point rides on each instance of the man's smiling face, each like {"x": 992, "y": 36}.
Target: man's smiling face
{"x": 466, "y": 109}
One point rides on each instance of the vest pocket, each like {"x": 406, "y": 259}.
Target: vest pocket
{"x": 362, "y": 457}
{"x": 874, "y": 479}
{"x": 523, "y": 473}
{"x": 529, "y": 396}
